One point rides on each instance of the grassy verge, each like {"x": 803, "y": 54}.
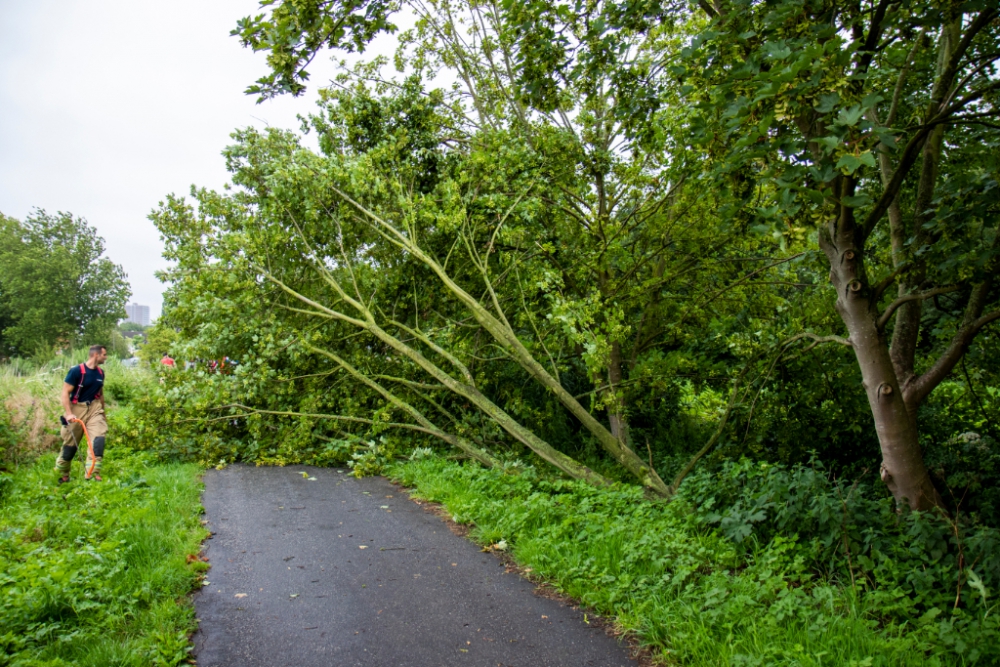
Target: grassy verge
{"x": 97, "y": 573}
{"x": 698, "y": 597}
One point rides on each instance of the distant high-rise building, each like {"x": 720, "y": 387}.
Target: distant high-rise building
{"x": 137, "y": 314}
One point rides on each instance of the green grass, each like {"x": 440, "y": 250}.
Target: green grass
{"x": 96, "y": 573}
{"x": 692, "y": 595}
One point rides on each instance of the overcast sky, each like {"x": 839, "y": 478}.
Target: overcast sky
{"x": 106, "y": 106}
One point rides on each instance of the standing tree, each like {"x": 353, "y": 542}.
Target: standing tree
{"x": 869, "y": 129}
{"x": 873, "y": 129}
{"x": 56, "y": 289}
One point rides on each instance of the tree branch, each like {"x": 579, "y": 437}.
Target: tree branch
{"x": 423, "y": 338}
{"x": 816, "y": 341}
{"x": 918, "y": 388}
{"x": 313, "y": 415}
{"x": 411, "y": 383}
{"x": 874, "y": 34}
{"x": 887, "y": 282}
{"x": 417, "y": 416}
{"x": 708, "y": 9}
{"x": 903, "y": 72}
{"x": 906, "y": 298}
{"x": 751, "y": 275}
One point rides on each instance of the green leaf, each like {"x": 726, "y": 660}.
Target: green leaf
{"x": 850, "y": 117}
{"x": 870, "y": 100}
{"x": 814, "y": 196}
{"x": 828, "y": 102}
{"x": 856, "y": 200}
{"x": 976, "y": 583}
{"x": 829, "y": 143}
{"x": 848, "y": 163}
{"x": 887, "y": 137}
{"x": 777, "y": 50}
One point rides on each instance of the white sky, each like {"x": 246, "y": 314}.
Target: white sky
{"x": 106, "y": 106}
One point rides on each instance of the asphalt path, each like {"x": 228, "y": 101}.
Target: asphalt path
{"x": 340, "y": 572}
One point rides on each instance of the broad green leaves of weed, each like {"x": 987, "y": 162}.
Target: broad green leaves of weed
{"x": 92, "y": 573}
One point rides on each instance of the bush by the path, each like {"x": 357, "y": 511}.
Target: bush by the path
{"x": 97, "y": 573}
{"x": 758, "y": 565}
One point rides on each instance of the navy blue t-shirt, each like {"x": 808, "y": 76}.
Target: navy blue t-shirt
{"x": 93, "y": 383}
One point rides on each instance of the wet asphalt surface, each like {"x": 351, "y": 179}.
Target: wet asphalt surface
{"x": 341, "y": 572}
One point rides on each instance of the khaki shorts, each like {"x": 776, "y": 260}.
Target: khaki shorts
{"x": 92, "y": 417}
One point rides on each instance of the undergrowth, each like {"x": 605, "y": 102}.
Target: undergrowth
{"x": 97, "y": 573}
{"x": 755, "y": 565}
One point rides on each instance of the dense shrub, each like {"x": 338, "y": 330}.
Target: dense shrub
{"x": 171, "y": 414}
{"x": 916, "y": 565}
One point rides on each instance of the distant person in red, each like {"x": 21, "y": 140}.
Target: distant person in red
{"x": 167, "y": 361}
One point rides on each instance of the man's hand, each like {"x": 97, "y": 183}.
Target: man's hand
{"x": 69, "y": 417}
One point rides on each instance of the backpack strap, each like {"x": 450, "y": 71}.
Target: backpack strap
{"x": 79, "y": 385}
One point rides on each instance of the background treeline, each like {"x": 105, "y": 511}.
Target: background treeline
{"x": 639, "y": 243}
{"x": 57, "y": 290}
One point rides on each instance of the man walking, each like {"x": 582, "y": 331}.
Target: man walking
{"x": 83, "y": 406}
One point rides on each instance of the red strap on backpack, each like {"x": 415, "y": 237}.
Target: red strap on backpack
{"x": 79, "y": 386}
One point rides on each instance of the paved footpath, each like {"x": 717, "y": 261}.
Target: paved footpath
{"x": 340, "y": 572}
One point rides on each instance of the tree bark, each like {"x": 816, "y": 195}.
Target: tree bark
{"x": 616, "y": 410}
{"x": 902, "y": 469}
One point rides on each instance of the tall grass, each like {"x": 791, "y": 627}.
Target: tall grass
{"x": 90, "y": 574}
{"x": 97, "y": 574}
{"x": 29, "y": 422}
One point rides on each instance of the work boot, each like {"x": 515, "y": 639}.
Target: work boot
{"x": 62, "y": 468}
{"x": 63, "y": 463}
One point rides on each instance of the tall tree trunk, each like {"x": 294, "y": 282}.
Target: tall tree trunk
{"x": 903, "y": 469}
{"x": 906, "y": 332}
